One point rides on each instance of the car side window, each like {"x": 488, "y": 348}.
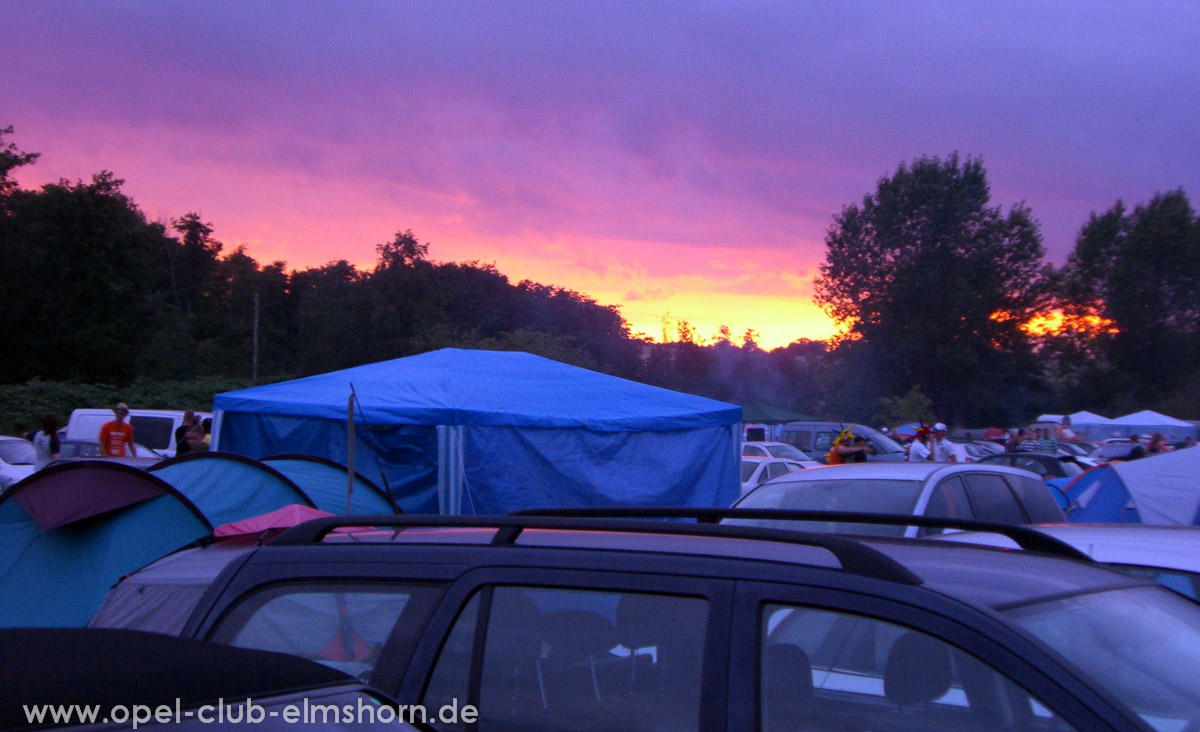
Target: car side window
{"x": 774, "y": 470}
{"x": 577, "y": 660}
{"x": 753, "y": 450}
{"x": 820, "y": 669}
{"x": 822, "y": 442}
{"x": 343, "y": 625}
{"x": 947, "y": 500}
{"x": 1043, "y": 503}
{"x": 992, "y": 499}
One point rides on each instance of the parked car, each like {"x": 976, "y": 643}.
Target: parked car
{"x": 783, "y": 450}
{"x": 1046, "y": 465}
{"x": 758, "y": 470}
{"x": 80, "y": 448}
{"x": 17, "y": 458}
{"x": 952, "y": 490}
{"x": 153, "y": 427}
{"x": 86, "y": 679}
{"x": 609, "y": 623}
{"x": 1168, "y": 555}
{"x": 815, "y": 438}
{"x": 1119, "y": 449}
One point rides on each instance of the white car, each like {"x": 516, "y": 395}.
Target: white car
{"x": 1168, "y": 555}
{"x": 946, "y": 490}
{"x": 17, "y": 457}
{"x": 778, "y": 450}
{"x": 758, "y": 470}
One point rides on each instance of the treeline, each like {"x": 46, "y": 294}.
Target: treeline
{"x": 936, "y": 290}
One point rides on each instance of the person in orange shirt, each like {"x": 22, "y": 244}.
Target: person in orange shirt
{"x": 115, "y": 435}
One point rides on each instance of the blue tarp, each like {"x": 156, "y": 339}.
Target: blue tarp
{"x": 1160, "y": 489}
{"x": 462, "y": 431}
{"x": 325, "y": 482}
{"x": 228, "y": 488}
{"x": 58, "y": 574}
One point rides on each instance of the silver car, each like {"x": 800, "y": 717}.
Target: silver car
{"x": 949, "y": 490}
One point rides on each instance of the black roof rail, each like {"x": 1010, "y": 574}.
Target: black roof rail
{"x": 853, "y": 556}
{"x": 1025, "y": 537}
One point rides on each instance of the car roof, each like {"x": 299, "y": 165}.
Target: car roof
{"x": 76, "y": 666}
{"x": 971, "y": 573}
{"x": 894, "y": 471}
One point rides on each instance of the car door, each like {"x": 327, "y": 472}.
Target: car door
{"x": 572, "y": 650}
{"x": 806, "y": 658}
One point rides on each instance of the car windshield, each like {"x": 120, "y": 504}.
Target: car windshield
{"x": 784, "y": 450}
{"x": 1140, "y": 643}
{"x": 862, "y": 495}
{"x": 17, "y": 452}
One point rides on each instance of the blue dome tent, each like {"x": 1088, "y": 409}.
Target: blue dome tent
{"x": 228, "y": 488}
{"x": 325, "y": 482}
{"x": 487, "y": 432}
{"x": 1160, "y": 489}
{"x": 73, "y": 529}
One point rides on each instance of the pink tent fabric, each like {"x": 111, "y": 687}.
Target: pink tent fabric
{"x": 280, "y": 518}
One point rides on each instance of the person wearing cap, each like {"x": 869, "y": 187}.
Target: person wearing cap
{"x": 918, "y": 449}
{"x": 943, "y": 450}
{"x": 118, "y": 433}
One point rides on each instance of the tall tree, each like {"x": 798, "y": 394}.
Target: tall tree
{"x": 1138, "y": 273}
{"x": 10, "y": 159}
{"x": 937, "y": 283}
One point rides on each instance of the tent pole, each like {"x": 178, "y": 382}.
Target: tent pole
{"x": 349, "y": 449}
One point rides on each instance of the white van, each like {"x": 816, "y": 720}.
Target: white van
{"x": 153, "y": 428}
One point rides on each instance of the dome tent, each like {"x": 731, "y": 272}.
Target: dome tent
{"x": 1160, "y": 489}
{"x": 73, "y": 529}
{"x": 488, "y": 432}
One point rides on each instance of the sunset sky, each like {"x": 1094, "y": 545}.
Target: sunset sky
{"x": 678, "y": 159}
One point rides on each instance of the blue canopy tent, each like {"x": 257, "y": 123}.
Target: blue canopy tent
{"x": 1161, "y": 489}
{"x": 228, "y": 488}
{"x": 487, "y": 432}
{"x": 71, "y": 530}
{"x": 326, "y": 483}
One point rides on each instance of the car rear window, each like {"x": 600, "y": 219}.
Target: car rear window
{"x": 882, "y": 495}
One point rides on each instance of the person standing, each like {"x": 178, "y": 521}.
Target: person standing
{"x": 45, "y": 442}
{"x": 181, "y": 443}
{"x": 918, "y": 449}
{"x": 115, "y": 435}
{"x": 1029, "y": 442}
{"x": 944, "y": 451}
{"x": 1049, "y": 443}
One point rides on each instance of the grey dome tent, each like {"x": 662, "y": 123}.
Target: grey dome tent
{"x": 487, "y": 432}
